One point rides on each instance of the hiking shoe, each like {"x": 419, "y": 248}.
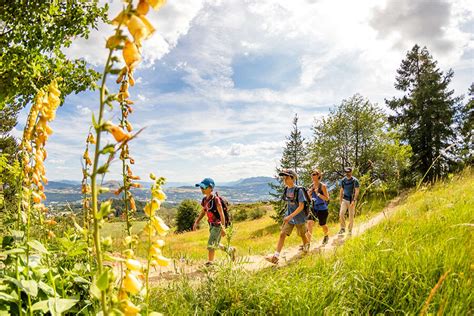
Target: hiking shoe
{"x": 325, "y": 240}
{"x": 349, "y": 233}
{"x": 272, "y": 259}
{"x": 232, "y": 253}
{"x": 300, "y": 248}
{"x": 306, "y": 248}
{"x": 342, "y": 231}
{"x": 209, "y": 264}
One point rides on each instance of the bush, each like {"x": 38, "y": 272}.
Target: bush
{"x": 188, "y": 210}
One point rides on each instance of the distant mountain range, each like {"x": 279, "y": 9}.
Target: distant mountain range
{"x": 244, "y": 190}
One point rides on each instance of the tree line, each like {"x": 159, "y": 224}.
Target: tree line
{"x": 423, "y": 135}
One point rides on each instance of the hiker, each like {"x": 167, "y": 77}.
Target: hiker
{"x": 348, "y": 196}
{"x": 319, "y": 207}
{"x": 294, "y": 215}
{"x": 212, "y": 206}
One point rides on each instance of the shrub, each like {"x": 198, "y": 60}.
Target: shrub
{"x": 188, "y": 210}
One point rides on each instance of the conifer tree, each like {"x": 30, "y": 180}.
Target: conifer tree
{"x": 425, "y": 113}
{"x": 294, "y": 157}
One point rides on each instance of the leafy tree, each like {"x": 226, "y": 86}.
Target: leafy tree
{"x": 294, "y": 157}
{"x": 188, "y": 210}
{"x": 425, "y": 113}
{"x": 356, "y": 134}
{"x": 33, "y": 34}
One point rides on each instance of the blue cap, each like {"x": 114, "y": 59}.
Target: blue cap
{"x": 207, "y": 182}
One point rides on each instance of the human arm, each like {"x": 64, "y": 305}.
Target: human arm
{"x": 198, "y": 219}
{"x": 325, "y": 195}
{"x": 356, "y": 195}
{"x": 341, "y": 192}
{"x": 295, "y": 212}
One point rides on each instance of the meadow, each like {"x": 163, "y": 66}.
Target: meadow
{"x": 418, "y": 261}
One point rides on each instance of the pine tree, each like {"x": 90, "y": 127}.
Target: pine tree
{"x": 294, "y": 157}
{"x": 425, "y": 113}
{"x": 467, "y": 129}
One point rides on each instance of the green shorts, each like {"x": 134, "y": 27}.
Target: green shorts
{"x": 214, "y": 237}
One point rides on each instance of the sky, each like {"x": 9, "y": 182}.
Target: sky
{"x": 222, "y": 80}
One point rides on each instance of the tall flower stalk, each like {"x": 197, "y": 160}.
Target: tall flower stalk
{"x": 140, "y": 29}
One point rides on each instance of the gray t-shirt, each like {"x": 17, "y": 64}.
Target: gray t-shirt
{"x": 293, "y": 204}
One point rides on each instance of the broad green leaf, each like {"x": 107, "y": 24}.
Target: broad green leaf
{"x": 40, "y": 306}
{"x": 36, "y": 245}
{"x": 47, "y": 289}
{"x": 61, "y": 304}
{"x": 30, "y": 287}
{"x": 103, "y": 281}
{"x": 7, "y": 297}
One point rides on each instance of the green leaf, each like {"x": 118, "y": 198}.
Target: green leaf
{"x": 94, "y": 122}
{"x": 115, "y": 71}
{"x": 103, "y": 281}
{"x": 102, "y": 169}
{"x": 40, "y": 306}
{"x": 105, "y": 209}
{"x": 48, "y": 290}
{"x": 30, "y": 287}
{"x": 109, "y": 149}
{"x": 7, "y": 297}
{"x": 58, "y": 306}
{"x": 36, "y": 245}
{"x": 13, "y": 251}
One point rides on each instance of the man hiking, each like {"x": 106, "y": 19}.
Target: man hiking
{"x": 212, "y": 207}
{"x": 319, "y": 207}
{"x": 294, "y": 215}
{"x": 348, "y": 196}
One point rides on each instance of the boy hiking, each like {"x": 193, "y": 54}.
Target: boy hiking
{"x": 348, "y": 196}
{"x": 319, "y": 208}
{"x": 212, "y": 205}
{"x": 294, "y": 216}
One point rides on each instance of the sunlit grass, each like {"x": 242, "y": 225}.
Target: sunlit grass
{"x": 391, "y": 269}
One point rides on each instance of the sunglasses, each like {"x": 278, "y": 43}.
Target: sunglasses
{"x": 315, "y": 174}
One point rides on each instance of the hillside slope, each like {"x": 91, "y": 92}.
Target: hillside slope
{"x": 420, "y": 260}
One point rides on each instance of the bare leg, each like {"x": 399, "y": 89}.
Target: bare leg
{"x": 211, "y": 254}
{"x": 281, "y": 242}
{"x": 325, "y": 229}
{"x": 309, "y": 233}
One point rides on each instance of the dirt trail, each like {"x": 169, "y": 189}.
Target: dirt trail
{"x": 258, "y": 262}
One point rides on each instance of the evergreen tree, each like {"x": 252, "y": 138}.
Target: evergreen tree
{"x": 467, "y": 128}
{"x": 425, "y": 113}
{"x": 188, "y": 210}
{"x": 294, "y": 157}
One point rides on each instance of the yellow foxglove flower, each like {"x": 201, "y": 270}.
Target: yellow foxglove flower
{"x": 119, "y": 134}
{"x": 131, "y": 284}
{"x": 149, "y": 26}
{"x": 131, "y": 80}
{"x": 149, "y": 230}
{"x": 139, "y": 29}
{"x": 121, "y": 18}
{"x": 148, "y": 210}
{"x": 107, "y": 241}
{"x": 156, "y": 4}
{"x": 159, "y": 243}
{"x": 162, "y": 261}
{"x": 130, "y": 309}
{"x": 154, "y": 252}
{"x": 131, "y": 55}
{"x": 133, "y": 206}
{"x": 36, "y": 197}
{"x": 90, "y": 139}
{"x": 129, "y": 127}
{"x": 155, "y": 204}
{"x": 160, "y": 225}
{"x": 143, "y": 7}
{"x": 113, "y": 42}
{"x": 159, "y": 194}
{"x": 133, "y": 265}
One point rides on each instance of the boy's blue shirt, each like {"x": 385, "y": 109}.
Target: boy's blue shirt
{"x": 349, "y": 187}
{"x": 292, "y": 205}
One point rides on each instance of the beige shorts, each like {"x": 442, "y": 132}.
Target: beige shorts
{"x": 287, "y": 228}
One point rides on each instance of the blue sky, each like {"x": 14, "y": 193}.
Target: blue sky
{"x": 222, "y": 80}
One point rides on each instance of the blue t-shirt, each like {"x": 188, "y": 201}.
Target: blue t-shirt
{"x": 349, "y": 186}
{"x": 293, "y": 204}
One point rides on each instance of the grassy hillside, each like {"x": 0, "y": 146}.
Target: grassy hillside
{"x": 391, "y": 269}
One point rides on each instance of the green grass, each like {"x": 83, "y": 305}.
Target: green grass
{"x": 255, "y": 237}
{"x": 391, "y": 269}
